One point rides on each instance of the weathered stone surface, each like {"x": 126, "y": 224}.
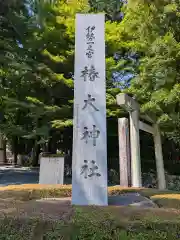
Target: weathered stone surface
{"x": 89, "y": 165}
{"x": 145, "y": 204}
{"x": 124, "y": 152}
{"x": 51, "y": 170}
{"x": 131, "y": 199}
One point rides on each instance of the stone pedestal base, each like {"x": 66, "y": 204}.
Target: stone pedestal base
{"x": 51, "y": 170}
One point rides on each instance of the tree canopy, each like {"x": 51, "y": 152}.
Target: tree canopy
{"x": 37, "y": 67}
{"x": 150, "y": 30}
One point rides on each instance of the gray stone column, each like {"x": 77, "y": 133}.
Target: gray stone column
{"x": 124, "y": 152}
{"x": 135, "y": 149}
{"x": 89, "y": 164}
{"x": 159, "y": 158}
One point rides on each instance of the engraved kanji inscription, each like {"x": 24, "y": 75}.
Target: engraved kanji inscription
{"x": 85, "y": 73}
{"x": 89, "y": 74}
{"x": 90, "y": 37}
{"x": 85, "y": 169}
{"x": 86, "y": 135}
{"x": 90, "y": 33}
{"x": 94, "y": 134}
{"x": 89, "y": 169}
{"x": 90, "y": 101}
{"x": 90, "y": 50}
{"x": 93, "y": 74}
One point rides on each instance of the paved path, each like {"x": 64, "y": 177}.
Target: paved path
{"x": 18, "y": 175}
{"x": 10, "y": 175}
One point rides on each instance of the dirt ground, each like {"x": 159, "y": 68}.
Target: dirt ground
{"x": 46, "y": 210}
{"x": 61, "y": 209}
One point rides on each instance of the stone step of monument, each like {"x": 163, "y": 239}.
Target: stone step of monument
{"x": 129, "y": 199}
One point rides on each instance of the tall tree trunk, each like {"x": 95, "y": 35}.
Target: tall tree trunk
{"x": 15, "y": 157}
{"x": 15, "y": 149}
{"x": 36, "y": 152}
{"x": 4, "y": 152}
{"x": 52, "y": 146}
{"x": 2, "y": 148}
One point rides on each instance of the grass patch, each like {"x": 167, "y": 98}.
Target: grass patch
{"x": 26, "y": 192}
{"x": 124, "y": 223}
{"x": 167, "y": 200}
{"x": 39, "y": 190}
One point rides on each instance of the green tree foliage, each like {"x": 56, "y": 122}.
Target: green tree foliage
{"x": 38, "y": 102}
{"x": 14, "y": 29}
{"x": 58, "y": 39}
{"x": 112, "y": 8}
{"x": 37, "y": 66}
{"x": 150, "y": 29}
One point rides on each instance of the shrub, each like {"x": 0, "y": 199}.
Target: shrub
{"x": 92, "y": 222}
{"x": 167, "y": 200}
{"x": 172, "y": 181}
{"x": 88, "y": 223}
{"x": 35, "y": 191}
{"x": 113, "y": 177}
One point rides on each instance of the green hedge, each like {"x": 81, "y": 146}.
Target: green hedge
{"x": 89, "y": 224}
{"x": 86, "y": 223}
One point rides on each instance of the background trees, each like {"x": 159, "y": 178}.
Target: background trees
{"x": 37, "y": 66}
{"x": 150, "y": 30}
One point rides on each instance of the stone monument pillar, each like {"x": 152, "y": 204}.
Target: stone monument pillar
{"x": 124, "y": 152}
{"x": 89, "y": 164}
